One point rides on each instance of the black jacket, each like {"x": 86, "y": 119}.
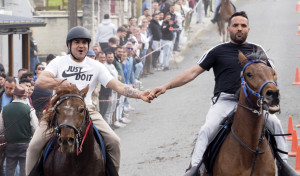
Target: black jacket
{"x": 167, "y": 33}
{"x": 155, "y": 30}
{"x": 33, "y": 47}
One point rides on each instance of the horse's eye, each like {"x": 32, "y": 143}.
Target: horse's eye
{"x": 81, "y": 109}
{"x": 249, "y": 75}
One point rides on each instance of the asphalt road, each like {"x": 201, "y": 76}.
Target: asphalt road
{"x": 160, "y": 137}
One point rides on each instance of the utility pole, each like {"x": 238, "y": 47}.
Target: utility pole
{"x": 72, "y": 12}
{"x": 139, "y": 4}
{"x": 88, "y": 8}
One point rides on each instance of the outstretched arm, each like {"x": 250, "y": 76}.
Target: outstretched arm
{"x": 128, "y": 91}
{"x": 182, "y": 79}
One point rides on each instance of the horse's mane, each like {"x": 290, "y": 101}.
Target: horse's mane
{"x": 257, "y": 54}
{"x": 60, "y": 91}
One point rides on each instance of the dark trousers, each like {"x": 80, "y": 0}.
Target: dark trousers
{"x": 15, "y": 153}
{"x": 206, "y": 3}
{"x": 148, "y": 62}
{"x": 155, "y": 57}
{"x": 103, "y": 46}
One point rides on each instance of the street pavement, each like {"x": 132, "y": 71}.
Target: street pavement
{"x": 159, "y": 140}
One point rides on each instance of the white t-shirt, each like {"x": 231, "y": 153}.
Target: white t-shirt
{"x": 81, "y": 74}
{"x": 112, "y": 69}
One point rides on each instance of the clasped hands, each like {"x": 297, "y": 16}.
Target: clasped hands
{"x": 149, "y": 95}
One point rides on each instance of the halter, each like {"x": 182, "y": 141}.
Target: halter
{"x": 246, "y": 87}
{"x": 261, "y": 107}
{"x": 86, "y": 120}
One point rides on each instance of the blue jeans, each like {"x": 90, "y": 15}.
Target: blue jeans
{"x": 167, "y": 49}
{"x": 138, "y": 70}
{"x": 144, "y": 52}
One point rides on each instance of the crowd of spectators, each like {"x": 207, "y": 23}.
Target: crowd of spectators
{"x": 142, "y": 46}
{"x": 21, "y": 106}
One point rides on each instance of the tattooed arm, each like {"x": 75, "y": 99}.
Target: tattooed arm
{"x": 128, "y": 91}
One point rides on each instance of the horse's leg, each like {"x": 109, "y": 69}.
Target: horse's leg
{"x": 220, "y": 30}
{"x": 223, "y": 31}
{"x": 227, "y": 33}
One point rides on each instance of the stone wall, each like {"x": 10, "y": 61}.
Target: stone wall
{"x": 51, "y": 39}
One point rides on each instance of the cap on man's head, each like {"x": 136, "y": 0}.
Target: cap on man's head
{"x": 19, "y": 91}
{"x": 91, "y": 53}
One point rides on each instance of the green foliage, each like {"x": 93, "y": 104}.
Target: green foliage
{"x": 54, "y": 2}
{"x": 58, "y": 3}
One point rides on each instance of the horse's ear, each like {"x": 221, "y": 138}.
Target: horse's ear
{"x": 242, "y": 58}
{"x": 84, "y": 91}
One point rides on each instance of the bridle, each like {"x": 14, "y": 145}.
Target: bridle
{"x": 78, "y": 137}
{"x": 261, "y": 107}
{"x": 246, "y": 88}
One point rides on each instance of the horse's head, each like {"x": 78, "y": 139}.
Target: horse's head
{"x": 70, "y": 117}
{"x": 259, "y": 83}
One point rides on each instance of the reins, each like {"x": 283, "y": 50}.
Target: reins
{"x": 261, "y": 107}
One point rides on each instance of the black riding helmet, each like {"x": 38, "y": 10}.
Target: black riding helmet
{"x": 78, "y": 32}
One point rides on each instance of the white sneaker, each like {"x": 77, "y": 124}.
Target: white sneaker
{"x": 125, "y": 120}
{"x": 138, "y": 82}
{"x": 118, "y": 124}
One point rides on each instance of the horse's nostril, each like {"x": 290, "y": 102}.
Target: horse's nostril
{"x": 272, "y": 94}
{"x": 269, "y": 93}
{"x": 71, "y": 141}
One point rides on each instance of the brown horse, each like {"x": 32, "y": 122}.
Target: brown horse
{"x": 226, "y": 10}
{"x": 237, "y": 155}
{"x": 75, "y": 150}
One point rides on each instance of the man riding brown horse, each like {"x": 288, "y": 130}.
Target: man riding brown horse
{"x": 80, "y": 70}
{"x": 224, "y": 61}
{"x": 217, "y": 10}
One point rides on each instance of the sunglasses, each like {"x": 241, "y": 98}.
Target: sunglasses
{"x": 129, "y": 48}
{"x": 41, "y": 68}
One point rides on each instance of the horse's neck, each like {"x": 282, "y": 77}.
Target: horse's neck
{"x": 226, "y": 9}
{"x": 247, "y": 125}
{"x": 226, "y": 2}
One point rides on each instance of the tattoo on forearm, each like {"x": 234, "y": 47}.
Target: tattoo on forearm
{"x": 130, "y": 92}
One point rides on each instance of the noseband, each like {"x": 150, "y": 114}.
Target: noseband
{"x": 57, "y": 127}
{"x": 261, "y": 107}
{"x": 247, "y": 88}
